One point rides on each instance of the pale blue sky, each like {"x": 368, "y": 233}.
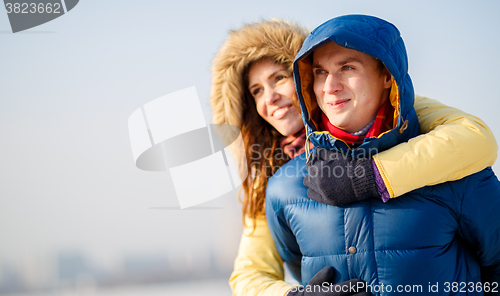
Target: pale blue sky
{"x": 67, "y": 177}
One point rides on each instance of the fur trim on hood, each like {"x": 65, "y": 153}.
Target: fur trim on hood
{"x": 277, "y": 39}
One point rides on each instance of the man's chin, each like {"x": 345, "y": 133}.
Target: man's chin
{"x": 337, "y": 122}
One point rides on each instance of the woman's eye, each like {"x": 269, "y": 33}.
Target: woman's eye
{"x": 280, "y": 77}
{"x": 256, "y": 91}
{"x": 319, "y": 71}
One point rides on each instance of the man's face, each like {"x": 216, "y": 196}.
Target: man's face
{"x": 348, "y": 86}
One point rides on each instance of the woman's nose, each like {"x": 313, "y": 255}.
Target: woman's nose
{"x": 272, "y": 96}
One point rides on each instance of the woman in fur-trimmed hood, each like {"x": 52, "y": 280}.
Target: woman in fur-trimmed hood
{"x": 232, "y": 103}
{"x": 258, "y": 268}
{"x": 265, "y": 108}
{"x": 275, "y": 39}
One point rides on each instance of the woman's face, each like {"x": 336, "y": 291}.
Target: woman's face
{"x": 273, "y": 88}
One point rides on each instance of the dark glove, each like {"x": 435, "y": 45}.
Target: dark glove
{"x": 320, "y": 285}
{"x": 337, "y": 179}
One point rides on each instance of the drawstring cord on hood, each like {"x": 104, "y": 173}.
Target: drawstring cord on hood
{"x": 308, "y": 147}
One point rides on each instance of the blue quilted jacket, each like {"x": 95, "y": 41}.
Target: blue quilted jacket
{"x": 445, "y": 236}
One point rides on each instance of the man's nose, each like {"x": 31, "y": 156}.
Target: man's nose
{"x": 332, "y": 84}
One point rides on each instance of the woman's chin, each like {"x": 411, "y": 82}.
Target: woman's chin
{"x": 291, "y": 129}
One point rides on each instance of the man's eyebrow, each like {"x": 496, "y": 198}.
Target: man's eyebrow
{"x": 340, "y": 63}
{"x": 349, "y": 60}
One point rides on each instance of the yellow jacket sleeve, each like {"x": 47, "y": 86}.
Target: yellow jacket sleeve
{"x": 452, "y": 145}
{"x": 258, "y": 268}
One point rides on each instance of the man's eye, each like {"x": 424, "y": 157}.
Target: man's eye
{"x": 319, "y": 71}
{"x": 347, "y": 68}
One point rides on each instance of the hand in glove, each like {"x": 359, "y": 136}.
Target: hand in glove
{"x": 337, "y": 179}
{"x": 320, "y": 285}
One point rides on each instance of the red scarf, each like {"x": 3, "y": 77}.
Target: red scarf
{"x": 294, "y": 145}
{"x": 383, "y": 122}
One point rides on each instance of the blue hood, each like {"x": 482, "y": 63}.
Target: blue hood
{"x": 379, "y": 39}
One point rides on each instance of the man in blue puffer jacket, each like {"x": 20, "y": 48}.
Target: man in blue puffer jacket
{"x": 356, "y": 99}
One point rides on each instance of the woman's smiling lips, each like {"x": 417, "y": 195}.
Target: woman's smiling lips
{"x": 338, "y": 104}
{"x": 280, "y": 112}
